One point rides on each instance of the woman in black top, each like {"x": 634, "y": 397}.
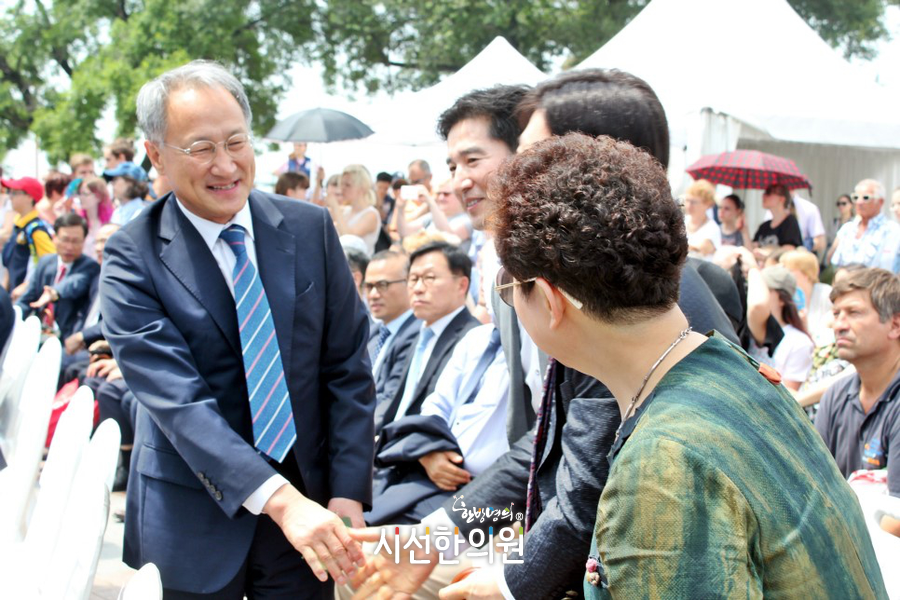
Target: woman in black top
{"x": 783, "y": 229}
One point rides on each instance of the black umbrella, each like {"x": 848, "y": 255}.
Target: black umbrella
{"x": 319, "y": 125}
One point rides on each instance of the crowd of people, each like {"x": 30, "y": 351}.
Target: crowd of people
{"x": 668, "y": 405}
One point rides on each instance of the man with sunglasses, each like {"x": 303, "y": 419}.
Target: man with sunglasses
{"x": 236, "y": 323}
{"x": 871, "y": 238}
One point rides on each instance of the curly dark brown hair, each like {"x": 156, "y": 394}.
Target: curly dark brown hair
{"x": 594, "y": 217}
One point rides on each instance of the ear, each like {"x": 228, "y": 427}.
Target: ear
{"x": 894, "y": 331}
{"x": 153, "y": 153}
{"x": 463, "y": 283}
{"x": 554, "y": 302}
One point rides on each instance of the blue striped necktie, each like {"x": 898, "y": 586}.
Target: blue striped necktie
{"x": 270, "y": 405}
{"x": 383, "y": 334}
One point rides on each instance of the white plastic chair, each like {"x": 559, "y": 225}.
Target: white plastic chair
{"x": 102, "y": 454}
{"x": 30, "y": 436}
{"x": 146, "y": 584}
{"x": 69, "y": 572}
{"x": 59, "y": 475}
{"x": 21, "y": 354}
{"x": 6, "y": 382}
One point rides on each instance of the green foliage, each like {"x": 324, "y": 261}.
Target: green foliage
{"x": 68, "y": 61}
{"x": 62, "y": 62}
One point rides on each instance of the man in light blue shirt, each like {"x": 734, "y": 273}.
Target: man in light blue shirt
{"x": 869, "y": 239}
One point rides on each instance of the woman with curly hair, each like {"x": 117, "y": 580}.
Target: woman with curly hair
{"x": 719, "y": 485}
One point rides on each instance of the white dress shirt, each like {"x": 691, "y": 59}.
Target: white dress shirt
{"x": 393, "y": 327}
{"x": 225, "y": 258}
{"x": 479, "y": 426}
{"x": 438, "y": 328}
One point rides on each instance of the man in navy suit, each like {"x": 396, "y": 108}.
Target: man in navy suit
{"x": 234, "y": 318}
{"x": 63, "y": 280}
{"x": 391, "y": 340}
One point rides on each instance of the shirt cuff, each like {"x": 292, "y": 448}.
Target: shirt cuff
{"x": 256, "y": 501}
{"x": 501, "y": 581}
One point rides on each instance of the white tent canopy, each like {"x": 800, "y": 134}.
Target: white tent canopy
{"x": 732, "y": 73}
{"x": 411, "y": 118}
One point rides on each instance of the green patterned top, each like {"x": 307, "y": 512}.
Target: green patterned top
{"x": 723, "y": 488}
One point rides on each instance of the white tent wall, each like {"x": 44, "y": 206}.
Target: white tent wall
{"x": 834, "y": 170}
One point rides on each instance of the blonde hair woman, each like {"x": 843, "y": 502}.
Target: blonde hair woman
{"x": 357, "y": 214}
{"x": 704, "y": 236}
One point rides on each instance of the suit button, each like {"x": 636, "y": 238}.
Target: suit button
{"x": 218, "y": 495}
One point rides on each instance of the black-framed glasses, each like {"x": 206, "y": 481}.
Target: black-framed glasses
{"x": 862, "y": 197}
{"x": 842, "y": 203}
{"x": 381, "y": 285}
{"x": 204, "y": 151}
{"x": 427, "y": 280}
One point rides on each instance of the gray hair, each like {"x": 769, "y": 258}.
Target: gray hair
{"x": 876, "y": 186}
{"x": 426, "y": 168}
{"x": 153, "y": 98}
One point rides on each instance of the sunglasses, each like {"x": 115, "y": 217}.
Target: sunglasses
{"x": 842, "y": 203}
{"x": 505, "y": 284}
{"x": 862, "y": 197}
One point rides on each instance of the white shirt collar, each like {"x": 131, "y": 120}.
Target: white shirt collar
{"x": 210, "y": 230}
{"x": 440, "y": 325}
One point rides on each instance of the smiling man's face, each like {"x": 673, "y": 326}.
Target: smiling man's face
{"x": 473, "y": 157}
{"x": 218, "y": 190}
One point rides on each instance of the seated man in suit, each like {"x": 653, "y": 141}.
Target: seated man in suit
{"x": 61, "y": 282}
{"x": 76, "y": 358}
{"x": 385, "y": 285}
{"x": 438, "y": 284}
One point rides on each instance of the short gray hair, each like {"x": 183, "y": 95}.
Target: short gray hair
{"x": 153, "y": 98}
{"x": 876, "y": 186}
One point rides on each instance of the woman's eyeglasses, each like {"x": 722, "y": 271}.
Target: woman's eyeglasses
{"x": 843, "y": 203}
{"x": 505, "y": 284}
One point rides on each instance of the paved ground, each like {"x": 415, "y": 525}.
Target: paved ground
{"x": 112, "y": 573}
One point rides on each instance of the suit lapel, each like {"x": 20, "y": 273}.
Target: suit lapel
{"x": 448, "y": 336}
{"x": 275, "y": 257}
{"x": 189, "y": 259}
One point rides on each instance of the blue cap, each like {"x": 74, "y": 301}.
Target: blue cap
{"x": 126, "y": 169}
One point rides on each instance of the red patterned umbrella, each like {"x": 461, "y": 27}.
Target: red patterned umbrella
{"x": 749, "y": 170}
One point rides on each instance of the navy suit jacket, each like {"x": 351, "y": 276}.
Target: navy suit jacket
{"x": 392, "y": 370}
{"x": 443, "y": 348}
{"x": 172, "y": 323}
{"x": 74, "y": 291}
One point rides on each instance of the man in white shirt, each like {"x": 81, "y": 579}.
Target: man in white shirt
{"x": 438, "y": 284}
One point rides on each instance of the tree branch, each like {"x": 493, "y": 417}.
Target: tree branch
{"x": 59, "y": 53}
{"x": 16, "y": 78}
{"x": 262, "y": 18}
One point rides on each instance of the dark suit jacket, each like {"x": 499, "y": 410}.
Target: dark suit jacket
{"x": 172, "y": 324}
{"x": 392, "y": 370}
{"x": 93, "y": 332}
{"x": 443, "y": 348}
{"x": 74, "y": 291}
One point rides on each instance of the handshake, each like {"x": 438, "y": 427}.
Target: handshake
{"x": 330, "y": 548}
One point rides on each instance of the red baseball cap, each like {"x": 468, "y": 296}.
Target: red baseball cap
{"x": 29, "y": 185}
